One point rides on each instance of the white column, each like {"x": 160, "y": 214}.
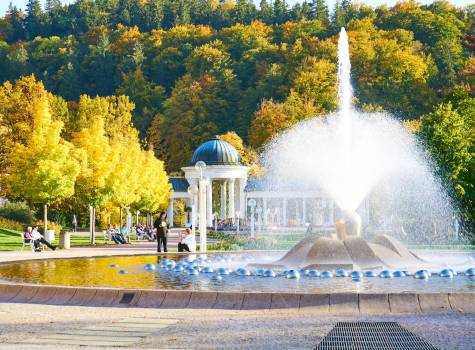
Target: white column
{"x": 284, "y": 212}
{"x": 298, "y": 218}
{"x": 242, "y": 200}
{"x": 209, "y": 203}
{"x": 170, "y": 212}
{"x": 202, "y": 225}
{"x": 264, "y": 210}
{"x": 232, "y": 213}
{"x": 331, "y": 212}
{"x": 223, "y": 201}
{"x": 304, "y": 211}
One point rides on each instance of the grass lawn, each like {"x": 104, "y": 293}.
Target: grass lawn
{"x": 12, "y": 240}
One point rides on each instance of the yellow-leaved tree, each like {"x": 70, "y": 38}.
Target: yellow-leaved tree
{"x": 43, "y": 170}
{"x": 97, "y": 160}
{"x": 127, "y": 169}
{"x": 154, "y": 189}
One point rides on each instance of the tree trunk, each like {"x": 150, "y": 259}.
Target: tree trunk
{"x": 120, "y": 216}
{"x": 92, "y": 224}
{"x": 45, "y": 211}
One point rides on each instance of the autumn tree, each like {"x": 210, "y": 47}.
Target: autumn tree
{"x": 44, "y": 169}
{"x": 97, "y": 159}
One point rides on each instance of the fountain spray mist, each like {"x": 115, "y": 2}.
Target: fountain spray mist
{"x": 353, "y": 157}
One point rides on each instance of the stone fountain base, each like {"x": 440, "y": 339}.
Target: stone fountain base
{"x": 350, "y": 254}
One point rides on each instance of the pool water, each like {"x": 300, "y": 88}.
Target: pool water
{"x": 131, "y": 272}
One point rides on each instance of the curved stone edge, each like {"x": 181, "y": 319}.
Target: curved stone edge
{"x": 334, "y": 303}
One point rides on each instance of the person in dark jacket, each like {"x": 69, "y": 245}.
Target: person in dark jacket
{"x": 161, "y": 226}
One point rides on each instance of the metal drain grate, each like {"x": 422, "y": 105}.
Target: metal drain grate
{"x": 372, "y": 336}
{"x": 126, "y": 298}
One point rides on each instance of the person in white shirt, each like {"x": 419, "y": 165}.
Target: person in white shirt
{"x": 187, "y": 243}
{"x": 38, "y": 238}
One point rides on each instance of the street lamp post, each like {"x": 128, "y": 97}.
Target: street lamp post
{"x": 252, "y": 205}
{"x": 259, "y": 219}
{"x": 200, "y": 166}
{"x": 192, "y": 190}
{"x": 237, "y": 222}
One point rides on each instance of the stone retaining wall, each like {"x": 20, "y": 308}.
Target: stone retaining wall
{"x": 335, "y": 303}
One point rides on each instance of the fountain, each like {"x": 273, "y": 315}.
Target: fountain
{"x": 351, "y": 156}
{"x": 347, "y": 155}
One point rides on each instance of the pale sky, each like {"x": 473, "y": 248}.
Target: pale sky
{"x": 21, "y": 3}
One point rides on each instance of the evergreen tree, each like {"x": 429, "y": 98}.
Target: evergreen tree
{"x": 15, "y": 17}
{"x": 320, "y": 11}
{"x": 33, "y": 19}
{"x": 281, "y": 11}
{"x": 266, "y": 12}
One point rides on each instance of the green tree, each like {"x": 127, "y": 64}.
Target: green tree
{"x": 147, "y": 97}
{"x": 320, "y": 11}
{"x": 450, "y": 140}
{"x": 33, "y": 19}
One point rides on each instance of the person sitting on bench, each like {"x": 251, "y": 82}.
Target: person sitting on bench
{"x": 187, "y": 243}
{"x": 38, "y": 238}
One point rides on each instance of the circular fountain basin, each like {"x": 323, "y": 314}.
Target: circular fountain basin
{"x": 150, "y": 272}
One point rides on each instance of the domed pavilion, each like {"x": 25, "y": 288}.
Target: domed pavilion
{"x": 273, "y": 206}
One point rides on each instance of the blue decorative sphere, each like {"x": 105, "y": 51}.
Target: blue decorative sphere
{"x": 269, "y": 273}
{"x": 470, "y": 272}
{"x": 370, "y": 274}
{"x": 304, "y": 272}
{"x": 178, "y": 268}
{"x": 421, "y": 275}
{"x": 113, "y": 265}
{"x": 122, "y": 272}
{"x": 243, "y": 272}
{"x": 386, "y": 274}
{"x": 216, "y": 278}
{"x": 446, "y": 273}
{"x": 222, "y": 271}
{"x": 207, "y": 269}
{"x": 259, "y": 272}
{"x": 193, "y": 272}
{"x": 326, "y": 274}
{"x": 150, "y": 267}
{"x": 171, "y": 265}
{"x": 313, "y": 273}
{"x": 356, "y": 274}
{"x": 341, "y": 273}
{"x": 399, "y": 274}
{"x": 292, "y": 274}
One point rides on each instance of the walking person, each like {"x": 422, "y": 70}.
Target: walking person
{"x": 75, "y": 224}
{"x": 161, "y": 226}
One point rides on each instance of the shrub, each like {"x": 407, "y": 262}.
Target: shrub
{"x": 51, "y": 226}
{"x": 17, "y": 212}
{"x": 11, "y": 225}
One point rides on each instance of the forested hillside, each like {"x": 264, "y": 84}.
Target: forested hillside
{"x": 195, "y": 68}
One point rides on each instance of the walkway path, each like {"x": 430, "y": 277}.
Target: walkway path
{"x": 136, "y": 248}
{"x": 209, "y": 329}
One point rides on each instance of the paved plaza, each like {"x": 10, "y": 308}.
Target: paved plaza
{"x": 38, "y": 326}
{"x": 32, "y": 326}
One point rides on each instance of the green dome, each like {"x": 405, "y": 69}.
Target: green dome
{"x": 216, "y": 152}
